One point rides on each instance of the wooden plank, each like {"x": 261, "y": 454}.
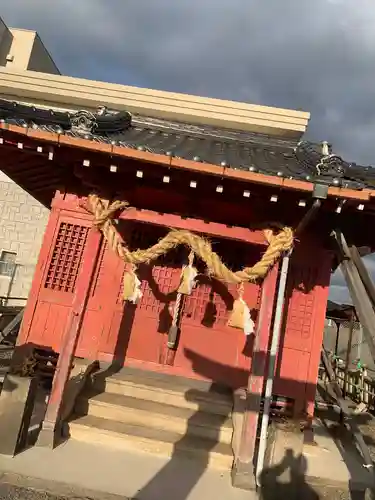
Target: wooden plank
{"x": 12, "y": 325}
{"x": 196, "y": 225}
{"x": 364, "y": 274}
{"x": 361, "y": 300}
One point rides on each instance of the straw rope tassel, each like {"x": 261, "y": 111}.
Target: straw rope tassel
{"x": 188, "y": 275}
{"x": 131, "y": 286}
{"x": 240, "y": 316}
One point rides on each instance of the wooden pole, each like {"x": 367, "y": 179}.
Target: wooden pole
{"x": 348, "y": 351}
{"x": 360, "y": 297}
{"x": 243, "y": 469}
{"x": 337, "y": 337}
{"x": 50, "y": 433}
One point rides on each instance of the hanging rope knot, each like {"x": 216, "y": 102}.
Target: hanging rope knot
{"x": 103, "y": 214}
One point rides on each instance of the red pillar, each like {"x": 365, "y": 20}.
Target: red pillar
{"x": 243, "y": 470}
{"x": 51, "y": 427}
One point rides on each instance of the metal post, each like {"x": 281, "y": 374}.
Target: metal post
{"x": 309, "y": 216}
{"x": 242, "y": 476}
{"x": 271, "y": 365}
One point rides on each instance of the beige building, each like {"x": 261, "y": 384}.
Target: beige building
{"x": 22, "y": 225}
{"x": 22, "y": 218}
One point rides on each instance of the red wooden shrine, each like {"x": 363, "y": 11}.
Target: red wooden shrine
{"x": 75, "y": 305}
{"x": 208, "y": 348}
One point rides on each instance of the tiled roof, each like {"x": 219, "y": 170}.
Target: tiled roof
{"x": 239, "y": 150}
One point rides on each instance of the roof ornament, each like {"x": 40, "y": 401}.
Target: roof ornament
{"x": 83, "y": 123}
{"x": 102, "y": 122}
{"x": 329, "y": 163}
{"x": 101, "y": 111}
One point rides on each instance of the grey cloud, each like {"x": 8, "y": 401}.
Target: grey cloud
{"x": 338, "y": 290}
{"x": 302, "y": 54}
{"x": 318, "y": 56}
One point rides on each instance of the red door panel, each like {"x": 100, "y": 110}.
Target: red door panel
{"x": 136, "y": 332}
{"x": 207, "y": 347}
{"x": 58, "y": 283}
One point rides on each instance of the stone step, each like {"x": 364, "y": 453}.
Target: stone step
{"x": 156, "y": 441}
{"x": 136, "y": 411}
{"x": 173, "y": 391}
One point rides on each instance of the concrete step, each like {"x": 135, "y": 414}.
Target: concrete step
{"x": 174, "y": 391}
{"x": 156, "y": 441}
{"x": 136, "y": 411}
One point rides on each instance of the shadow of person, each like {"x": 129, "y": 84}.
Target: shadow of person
{"x": 191, "y": 452}
{"x": 286, "y": 479}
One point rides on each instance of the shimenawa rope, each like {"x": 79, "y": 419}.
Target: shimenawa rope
{"x": 279, "y": 243}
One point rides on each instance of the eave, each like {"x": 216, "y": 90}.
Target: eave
{"x": 88, "y": 147}
{"x": 44, "y": 180}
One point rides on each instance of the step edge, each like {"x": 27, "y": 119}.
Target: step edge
{"x": 227, "y": 423}
{"x": 204, "y": 396}
{"x": 77, "y": 423}
{"x": 224, "y": 435}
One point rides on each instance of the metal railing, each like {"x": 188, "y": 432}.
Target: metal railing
{"x": 356, "y": 382}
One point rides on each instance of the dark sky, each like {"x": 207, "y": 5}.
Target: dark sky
{"x": 314, "y": 55}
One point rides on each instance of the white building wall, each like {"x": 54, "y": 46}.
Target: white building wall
{"x": 22, "y": 224}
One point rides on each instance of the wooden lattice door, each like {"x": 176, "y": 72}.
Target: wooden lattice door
{"x": 207, "y": 347}
{"x": 57, "y": 283}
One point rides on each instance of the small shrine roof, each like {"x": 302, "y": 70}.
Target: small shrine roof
{"x": 277, "y": 157}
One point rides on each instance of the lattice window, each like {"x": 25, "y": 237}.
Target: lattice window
{"x": 301, "y": 307}
{"x": 7, "y": 263}
{"x": 153, "y": 300}
{"x": 210, "y": 304}
{"x": 66, "y": 258}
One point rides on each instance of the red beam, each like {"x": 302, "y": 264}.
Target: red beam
{"x": 196, "y": 225}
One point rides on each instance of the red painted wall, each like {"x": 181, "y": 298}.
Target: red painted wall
{"x": 208, "y": 348}
{"x": 305, "y": 309}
